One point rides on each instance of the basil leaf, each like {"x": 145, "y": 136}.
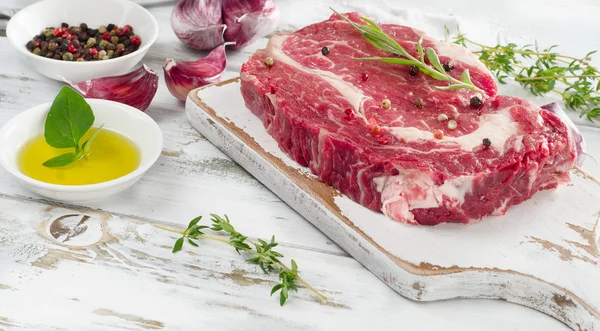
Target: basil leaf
{"x": 62, "y": 160}
{"x": 68, "y": 120}
{"x": 88, "y": 143}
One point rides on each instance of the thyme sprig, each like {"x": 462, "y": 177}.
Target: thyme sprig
{"x": 542, "y": 71}
{"x": 376, "y": 37}
{"x": 261, "y": 252}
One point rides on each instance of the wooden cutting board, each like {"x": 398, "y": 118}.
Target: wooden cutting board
{"x": 542, "y": 254}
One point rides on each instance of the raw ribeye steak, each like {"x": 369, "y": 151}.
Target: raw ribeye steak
{"x": 405, "y": 158}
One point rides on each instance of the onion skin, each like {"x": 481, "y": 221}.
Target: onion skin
{"x": 182, "y": 77}
{"x": 136, "y": 88}
{"x": 199, "y": 23}
{"x": 249, "y": 20}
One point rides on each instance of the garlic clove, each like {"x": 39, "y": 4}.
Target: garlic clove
{"x": 198, "y": 23}
{"x": 182, "y": 77}
{"x": 249, "y": 20}
{"x": 136, "y": 89}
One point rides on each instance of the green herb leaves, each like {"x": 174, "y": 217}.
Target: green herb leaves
{"x": 69, "y": 119}
{"x": 376, "y": 37}
{"x": 261, "y": 253}
{"x": 543, "y": 71}
{"x": 61, "y": 160}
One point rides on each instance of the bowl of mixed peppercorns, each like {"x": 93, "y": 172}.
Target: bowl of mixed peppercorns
{"x": 77, "y": 40}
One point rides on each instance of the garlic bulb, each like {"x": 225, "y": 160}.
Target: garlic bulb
{"x": 198, "y": 23}
{"x": 249, "y": 20}
{"x": 136, "y": 89}
{"x": 182, "y": 77}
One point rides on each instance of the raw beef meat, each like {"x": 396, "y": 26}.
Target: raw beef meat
{"x": 326, "y": 112}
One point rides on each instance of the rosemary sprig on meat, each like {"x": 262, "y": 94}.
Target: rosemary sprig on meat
{"x": 261, "y": 252}
{"x": 543, "y": 71}
{"x": 376, "y": 37}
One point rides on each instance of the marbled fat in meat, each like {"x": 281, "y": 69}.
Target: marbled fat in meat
{"x": 325, "y": 112}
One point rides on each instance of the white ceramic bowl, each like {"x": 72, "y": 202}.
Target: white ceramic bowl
{"x": 31, "y": 20}
{"x": 126, "y": 120}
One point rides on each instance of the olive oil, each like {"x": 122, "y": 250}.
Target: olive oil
{"x": 111, "y": 156}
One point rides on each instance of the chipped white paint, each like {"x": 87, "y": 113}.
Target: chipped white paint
{"x": 132, "y": 281}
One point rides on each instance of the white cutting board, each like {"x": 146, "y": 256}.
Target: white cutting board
{"x": 542, "y": 254}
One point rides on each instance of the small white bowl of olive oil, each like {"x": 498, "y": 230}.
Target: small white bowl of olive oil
{"x": 129, "y": 143}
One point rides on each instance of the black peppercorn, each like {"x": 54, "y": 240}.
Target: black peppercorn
{"x": 448, "y": 66}
{"x": 413, "y": 70}
{"x": 487, "y": 142}
{"x": 419, "y": 103}
{"x": 476, "y": 102}
{"x": 83, "y": 43}
{"x": 325, "y": 50}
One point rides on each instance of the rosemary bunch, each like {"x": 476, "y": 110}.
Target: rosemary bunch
{"x": 542, "y": 71}
{"x": 260, "y": 251}
{"x": 376, "y": 37}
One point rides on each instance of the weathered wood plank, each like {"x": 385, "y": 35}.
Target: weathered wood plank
{"x": 131, "y": 280}
{"x": 199, "y": 185}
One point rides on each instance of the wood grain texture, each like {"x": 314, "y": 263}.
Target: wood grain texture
{"x": 130, "y": 280}
{"x": 89, "y": 289}
{"x": 433, "y": 263}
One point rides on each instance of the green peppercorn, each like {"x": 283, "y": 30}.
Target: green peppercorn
{"x": 111, "y": 47}
{"x": 102, "y": 29}
{"x": 48, "y": 33}
{"x": 67, "y": 56}
{"x": 113, "y": 33}
{"x": 105, "y": 57}
{"x": 37, "y": 51}
{"x": 103, "y": 43}
{"x": 80, "y": 59}
{"x": 91, "y": 41}
{"x": 110, "y": 54}
{"x": 114, "y": 39}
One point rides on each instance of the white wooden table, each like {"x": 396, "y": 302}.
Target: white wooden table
{"x": 131, "y": 280}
